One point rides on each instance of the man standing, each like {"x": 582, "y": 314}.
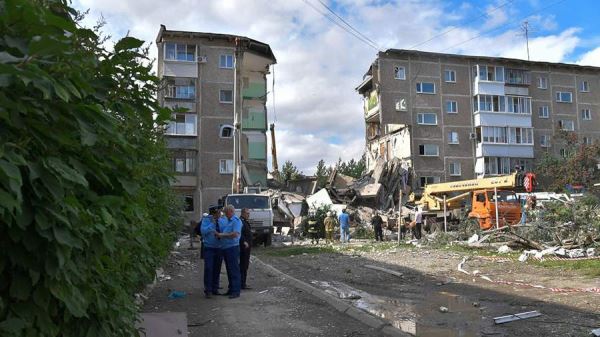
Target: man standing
{"x": 377, "y": 221}
{"x": 344, "y": 220}
{"x": 231, "y": 227}
{"x": 245, "y": 246}
{"x": 211, "y": 245}
{"x": 418, "y": 223}
{"x": 330, "y": 223}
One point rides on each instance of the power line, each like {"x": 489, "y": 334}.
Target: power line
{"x": 339, "y": 25}
{"x": 453, "y": 28}
{"x": 349, "y": 25}
{"x": 503, "y": 26}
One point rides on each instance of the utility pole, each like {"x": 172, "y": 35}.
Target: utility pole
{"x": 237, "y": 127}
{"x": 525, "y": 29}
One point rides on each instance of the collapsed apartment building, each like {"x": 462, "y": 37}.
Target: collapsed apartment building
{"x": 455, "y": 117}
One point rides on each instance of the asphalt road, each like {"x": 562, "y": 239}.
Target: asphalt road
{"x": 271, "y": 308}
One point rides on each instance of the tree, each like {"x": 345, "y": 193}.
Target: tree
{"x": 352, "y": 168}
{"x": 86, "y": 209}
{"x": 321, "y": 174}
{"x": 578, "y": 165}
{"x": 289, "y": 172}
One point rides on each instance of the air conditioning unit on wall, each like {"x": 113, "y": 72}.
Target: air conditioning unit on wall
{"x": 472, "y": 135}
{"x": 202, "y": 59}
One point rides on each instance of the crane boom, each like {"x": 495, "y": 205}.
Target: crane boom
{"x": 274, "y": 152}
{"x": 506, "y": 181}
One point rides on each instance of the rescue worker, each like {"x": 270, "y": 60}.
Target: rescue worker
{"x": 330, "y": 223}
{"x": 211, "y": 246}
{"x": 245, "y": 246}
{"x": 416, "y": 230}
{"x": 377, "y": 222}
{"x": 313, "y": 229}
{"x": 231, "y": 228}
{"x": 344, "y": 220}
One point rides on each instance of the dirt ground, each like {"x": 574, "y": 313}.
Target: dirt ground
{"x": 268, "y": 309}
{"x": 430, "y": 280}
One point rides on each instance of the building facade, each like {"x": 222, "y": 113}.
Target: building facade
{"x": 217, "y": 85}
{"x": 456, "y": 117}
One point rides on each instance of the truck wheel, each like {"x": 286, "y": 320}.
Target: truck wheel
{"x": 268, "y": 239}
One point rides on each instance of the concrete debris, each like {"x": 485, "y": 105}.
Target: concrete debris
{"x": 473, "y": 238}
{"x": 566, "y": 253}
{"x": 596, "y": 332}
{"x": 504, "y": 249}
{"x": 516, "y": 317}
{"x": 443, "y": 309}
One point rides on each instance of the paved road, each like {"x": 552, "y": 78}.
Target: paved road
{"x": 269, "y": 309}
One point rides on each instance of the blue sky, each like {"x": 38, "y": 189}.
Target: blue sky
{"x": 319, "y": 115}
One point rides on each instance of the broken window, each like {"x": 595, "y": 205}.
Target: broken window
{"x": 399, "y": 73}
{"x": 188, "y": 205}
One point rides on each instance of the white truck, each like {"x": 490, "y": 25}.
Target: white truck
{"x": 261, "y": 214}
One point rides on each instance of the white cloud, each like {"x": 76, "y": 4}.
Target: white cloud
{"x": 319, "y": 64}
{"x": 591, "y": 58}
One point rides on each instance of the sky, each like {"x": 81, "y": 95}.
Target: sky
{"x": 316, "y": 110}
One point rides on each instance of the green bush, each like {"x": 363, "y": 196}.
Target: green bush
{"x": 87, "y": 213}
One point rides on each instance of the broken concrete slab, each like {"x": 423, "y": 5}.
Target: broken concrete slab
{"x": 516, "y": 317}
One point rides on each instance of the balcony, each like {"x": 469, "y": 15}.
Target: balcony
{"x": 504, "y": 150}
{"x": 502, "y": 119}
{"x": 179, "y": 69}
{"x": 185, "y": 181}
{"x": 372, "y": 105}
{"x": 484, "y": 87}
{"x": 190, "y": 106}
{"x": 254, "y": 91}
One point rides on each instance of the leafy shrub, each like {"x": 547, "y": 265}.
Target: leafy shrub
{"x": 87, "y": 213}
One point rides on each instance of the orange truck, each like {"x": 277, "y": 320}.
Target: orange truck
{"x": 488, "y": 200}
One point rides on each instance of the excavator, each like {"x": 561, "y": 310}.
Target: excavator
{"x": 477, "y": 199}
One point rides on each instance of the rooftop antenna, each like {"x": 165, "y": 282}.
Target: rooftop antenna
{"x": 525, "y": 30}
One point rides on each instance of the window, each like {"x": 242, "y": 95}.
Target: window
{"x": 520, "y": 136}
{"x": 399, "y": 73}
{"x": 545, "y": 141}
{"x": 454, "y": 169}
{"x": 180, "y": 52}
{"x": 184, "y": 162}
{"x": 497, "y": 165}
{"x": 181, "y": 88}
{"x": 490, "y": 73}
{"x": 182, "y": 124}
{"x": 586, "y": 115}
{"x": 452, "y": 137}
{"x": 564, "y": 97}
{"x": 226, "y": 166}
{"x": 584, "y": 86}
{"x": 430, "y": 150}
{"x": 542, "y": 83}
{"x": 226, "y": 61}
{"x": 425, "y": 88}
{"x": 424, "y": 181}
{"x": 226, "y": 96}
{"x": 587, "y": 140}
{"x": 517, "y": 76}
{"x": 451, "y": 107}
{"x": 564, "y": 153}
{"x": 427, "y": 118}
{"x": 490, "y": 103}
{"x": 567, "y": 125}
{"x": 226, "y": 131}
{"x": 450, "y": 76}
{"x": 518, "y": 104}
{"x": 188, "y": 203}
{"x": 543, "y": 112}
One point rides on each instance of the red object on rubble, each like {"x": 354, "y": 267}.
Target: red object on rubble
{"x": 529, "y": 182}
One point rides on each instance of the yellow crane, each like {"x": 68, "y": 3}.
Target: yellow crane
{"x": 485, "y": 195}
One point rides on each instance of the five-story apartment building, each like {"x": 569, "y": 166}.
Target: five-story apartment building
{"x": 455, "y": 117}
{"x": 209, "y": 79}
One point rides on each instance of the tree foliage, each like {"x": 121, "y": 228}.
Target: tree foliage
{"x": 321, "y": 173}
{"x": 578, "y": 166}
{"x": 87, "y": 213}
{"x": 353, "y": 168}
{"x": 289, "y": 171}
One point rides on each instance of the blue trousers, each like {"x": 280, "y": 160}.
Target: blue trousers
{"x": 213, "y": 260}
{"x": 345, "y": 234}
{"x": 231, "y": 256}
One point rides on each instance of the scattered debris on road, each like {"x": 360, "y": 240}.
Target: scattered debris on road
{"x": 516, "y": 317}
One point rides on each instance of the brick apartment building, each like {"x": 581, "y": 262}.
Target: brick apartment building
{"x": 199, "y": 73}
{"x": 455, "y": 117}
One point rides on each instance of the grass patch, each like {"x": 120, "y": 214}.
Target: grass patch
{"x": 585, "y": 267}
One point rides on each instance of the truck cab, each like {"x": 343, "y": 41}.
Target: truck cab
{"x": 261, "y": 214}
{"x": 483, "y": 208}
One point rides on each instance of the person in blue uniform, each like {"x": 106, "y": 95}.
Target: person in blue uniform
{"x": 231, "y": 228}
{"x": 211, "y": 245}
{"x": 344, "y": 220}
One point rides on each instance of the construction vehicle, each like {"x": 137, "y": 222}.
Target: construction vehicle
{"x": 476, "y": 199}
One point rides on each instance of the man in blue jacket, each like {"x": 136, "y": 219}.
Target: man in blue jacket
{"x": 231, "y": 227}
{"x": 344, "y": 220}
{"x": 209, "y": 227}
